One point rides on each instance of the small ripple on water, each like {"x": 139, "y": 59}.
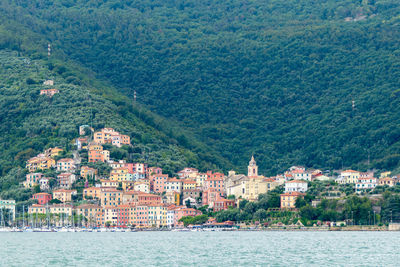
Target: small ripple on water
{"x": 200, "y": 249}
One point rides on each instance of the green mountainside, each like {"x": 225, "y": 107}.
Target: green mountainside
{"x": 30, "y": 122}
{"x": 274, "y": 78}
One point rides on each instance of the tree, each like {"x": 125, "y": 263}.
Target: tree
{"x": 309, "y": 213}
{"x": 260, "y": 214}
{"x": 300, "y": 202}
{"x": 36, "y": 189}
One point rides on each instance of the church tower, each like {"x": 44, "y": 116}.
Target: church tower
{"x": 252, "y": 169}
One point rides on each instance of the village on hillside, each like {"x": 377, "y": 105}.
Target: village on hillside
{"x": 134, "y": 195}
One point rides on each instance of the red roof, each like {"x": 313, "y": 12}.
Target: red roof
{"x": 297, "y": 181}
{"x": 292, "y": 194}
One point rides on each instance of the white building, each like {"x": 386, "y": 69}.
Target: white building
{"x": 170, "y": 218}
{"x": 300, "y": 174}
{"x": 65, "y": 165}
{"x": 296, "y": 186}
{"x": 44, "y": 183}
{"x": 8, "y": 205}
{"x": 142, "y": 187}
{"x": 365, "y": 184}
{"x": 173, "y": 185}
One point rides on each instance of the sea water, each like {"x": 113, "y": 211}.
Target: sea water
{"x": 201, "y": 249}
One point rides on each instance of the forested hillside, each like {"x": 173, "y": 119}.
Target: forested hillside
{"x": 274, "y": 78}
{"x": 31, "y": 122}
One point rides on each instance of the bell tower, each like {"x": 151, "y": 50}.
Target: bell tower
{"x": 252, "y": 169}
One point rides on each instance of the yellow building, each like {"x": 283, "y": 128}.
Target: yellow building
{"x": 40, "y": 163}
{"x": 189, "y": 184}
{"x": 288, "y": 200}
{"x": 120, "y": 174}
{"x": 157, "y": 215}
{"x": 350, "y": 176}
{"x": 109, "y": 183}
{"x": 91, "y": 192}
{"x": 385, "y": 174}
{"x": 88, "y": 172}
{"x": 128, "y": 185}
{"x": 36, "y": 208}
{"x": 53, "y": 152}
{"x": 61, "y": 208}
{"x": 95, "y": 146}
{"x": 89, "y": 211}
{"x": 111, "y": 197}
{"x": 200, "y": 178}
{"x": 63, "y": 195}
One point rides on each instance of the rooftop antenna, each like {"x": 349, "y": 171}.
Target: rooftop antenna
{"x": 48, "y": 50}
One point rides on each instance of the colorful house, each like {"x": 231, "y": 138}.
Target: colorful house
{"x": 64, "y": 195}
{"x": 365, "y": 184}
{"x": 288, "y": 200}
{"x": 66, "y": 164}
{"x": 110, "y": 197}
{"x": 296, "y": 186}
{"x": 157, "y": 182}
{"x": 66, "y": 180}
{"x": 173, "y": 185}
{"x": 387, "y": 181}
{"x": 91, "y": 192}
{"x": 88, "y": 172}
{"x": 32, "y": 179}
{"x": 42, "y": 198}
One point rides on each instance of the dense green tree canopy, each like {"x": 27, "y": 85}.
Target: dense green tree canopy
{"x": 275, "y": 78}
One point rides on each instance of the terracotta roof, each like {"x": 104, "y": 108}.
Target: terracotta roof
{"x": 296, "y": 181}
{"x": 65, "y": 160}
{"x": 174, "y": 180}
{"x": 42, "y": 194}
{"x": 189, "y": 182}
{"x": 63, "y": 190}
{"x": 293, "y": 194}
{"x": 349, "y": 171}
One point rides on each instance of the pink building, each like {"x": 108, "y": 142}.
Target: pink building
{"x": 157, "y": 182}
{"x": 141, "y": 215}
{"x": 215, "y": 182}
{"x": 33, "y": 178}
{"x": 153, "y": 171}
{"x": 148, "y": 199}
{"x": 65, "y": 180}
{"x": 123, "y": 215}
{"x": 42, "y": 198}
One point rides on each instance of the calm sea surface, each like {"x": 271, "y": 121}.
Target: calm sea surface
{"x": 201, "y": 249}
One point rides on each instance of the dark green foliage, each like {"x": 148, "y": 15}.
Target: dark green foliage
{"x": 200, "y": 219}
{"x": 31, "y": 123}
{"x": 391, "y": 208}
{"x": 275, "y": 78}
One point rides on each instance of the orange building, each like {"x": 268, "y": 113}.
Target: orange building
{"x": 288, "y": 200}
